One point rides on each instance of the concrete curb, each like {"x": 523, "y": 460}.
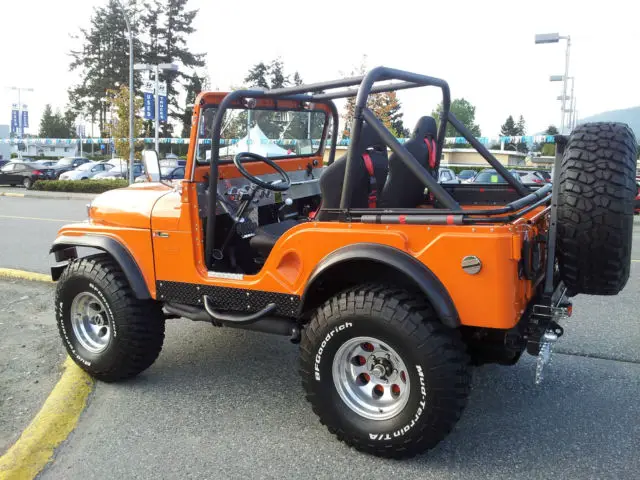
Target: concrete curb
{"x": 51, "y": 426}
{"x": 22, "y": 275}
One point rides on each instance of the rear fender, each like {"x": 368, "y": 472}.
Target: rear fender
{"x": 65, "y": 249}
{"x": 391, "y": 263}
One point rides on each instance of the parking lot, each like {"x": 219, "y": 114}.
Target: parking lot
{"x": 223, "y": 403}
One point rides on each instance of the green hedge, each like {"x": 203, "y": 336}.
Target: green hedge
{"x": 79, "y": 186}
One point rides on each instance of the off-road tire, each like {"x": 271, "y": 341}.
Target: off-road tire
{"x": 595, "y": 208}
{"x": 137, "y": 325}
{"x": 27, "y": 183}
{"x": 433, "y": 354}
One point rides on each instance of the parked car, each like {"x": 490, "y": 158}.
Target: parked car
{"x": 466, "y": 176}
{"x": 86, "y": 171}
{"x": 68, "y": 163}
{"x": 166, "y": 173}
{"x": 47, "y": 163}
{"x": 544, "y": 174}
{"x": 446, "y": 175}
{"x": 636, "y": 203}
{"x": 21, "y": 173}
{"x": 120, "y": 171}
{"x": 528, "y": 176}
{"x": 172, "y": 162}
{"x": 489, "y": 175}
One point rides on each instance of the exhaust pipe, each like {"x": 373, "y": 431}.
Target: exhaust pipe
{"x": 274, "y": 325}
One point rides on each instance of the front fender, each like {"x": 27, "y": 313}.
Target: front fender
{"x": 64, "y": 248}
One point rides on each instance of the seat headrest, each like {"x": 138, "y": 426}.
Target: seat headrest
{"x": 426, "y": 126}
{"x": 370, "y": 139}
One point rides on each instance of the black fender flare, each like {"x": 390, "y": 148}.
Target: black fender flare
{"x": 418, "y": 273}
{"x": 64, "y": 248}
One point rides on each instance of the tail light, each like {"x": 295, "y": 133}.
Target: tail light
{"x": 537, "y": 180}
{"x": 36, "y": 172}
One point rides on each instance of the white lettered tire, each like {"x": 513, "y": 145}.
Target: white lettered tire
{"x": 106, "y": 330}
{"x": 382, "y": 373}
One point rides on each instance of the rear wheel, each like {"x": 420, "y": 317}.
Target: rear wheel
{"x": 106, "y": 330}
{"x": 597, "y": 189}
{"x": 382, "y": 373}
{"x": 27, "y": 183}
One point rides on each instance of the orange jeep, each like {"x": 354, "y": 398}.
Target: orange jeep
{"x": 394, "y": 284}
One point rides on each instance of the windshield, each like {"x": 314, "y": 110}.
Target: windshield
{"x": 85, "y": 166}
{"x": 65, "y": 162}
{"x": 270, "y": 133}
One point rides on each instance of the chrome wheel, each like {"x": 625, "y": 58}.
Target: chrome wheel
{"x": 90, "y": 322}
{"x": 371, "y": 378}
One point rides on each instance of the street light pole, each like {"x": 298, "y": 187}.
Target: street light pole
{"x": 157, "y": 107}
{"x": 564, "y": 85}
{"x": 20, "y": 123}
{"x": 555, "y": 38}
{"x": 161, "y": 67}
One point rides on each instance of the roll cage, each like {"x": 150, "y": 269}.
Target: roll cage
{"x": 378, "y": 80}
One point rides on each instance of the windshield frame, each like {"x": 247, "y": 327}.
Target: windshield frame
{"x": 207, "y": 140}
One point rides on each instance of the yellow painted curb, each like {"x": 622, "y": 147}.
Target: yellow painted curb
{"x": 8, "y": 194}
{"x": 22, "y": 275}
{"x": 51, "y": 426}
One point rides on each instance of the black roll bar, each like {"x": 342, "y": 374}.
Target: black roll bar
{"x": 522, "y": 189}
{"x": 381, "y": 74}
{"x": 409, "y": 160}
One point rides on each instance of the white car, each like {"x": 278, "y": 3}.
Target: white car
{"x": 86, "y": 171}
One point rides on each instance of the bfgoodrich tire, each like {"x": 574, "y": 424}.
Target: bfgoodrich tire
{"x": 382, "y": 373}
{"x": 106, "y": 330}
{"x": 595, "y": 208}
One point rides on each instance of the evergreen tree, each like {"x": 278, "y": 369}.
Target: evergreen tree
{"x": 512, "y": 129}
{"x": 509, "y": 128}
{"x": 57, "y": 125}
{"x": 193, "y": 89}
{"x": 278, "y": 78}
{"x": 172, "y": 47}
{"x": 103, "y": 59}
{"x": 257, "y": 76}
{"x": 521, "y": 127}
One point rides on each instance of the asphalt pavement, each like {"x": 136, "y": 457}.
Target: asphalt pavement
{"x": 28, "y": 227}
{"x": 30, "y": 354}
{"x": 221, "y": 403}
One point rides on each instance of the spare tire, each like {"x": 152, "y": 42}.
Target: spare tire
{"x": 596, "y": 192}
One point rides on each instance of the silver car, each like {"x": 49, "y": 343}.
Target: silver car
{"x": 86, "y": 171}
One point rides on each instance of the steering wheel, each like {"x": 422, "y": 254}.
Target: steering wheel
{"x": 274, "y": 186}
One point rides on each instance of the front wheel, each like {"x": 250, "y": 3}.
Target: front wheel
{"x": 382, "y": 373}
{"x": 106, "y": 330}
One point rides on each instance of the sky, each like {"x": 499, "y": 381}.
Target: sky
{"x": 484, "y": 49}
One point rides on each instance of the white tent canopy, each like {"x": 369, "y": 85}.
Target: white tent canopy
{"x": 255, "y": 142}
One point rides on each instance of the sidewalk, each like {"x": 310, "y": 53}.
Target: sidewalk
{"x": 21, "y": 192}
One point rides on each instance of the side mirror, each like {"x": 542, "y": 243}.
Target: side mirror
{"x": 151, "y": 165}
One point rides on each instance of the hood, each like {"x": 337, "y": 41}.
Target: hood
{"x": 128, "y": 207}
